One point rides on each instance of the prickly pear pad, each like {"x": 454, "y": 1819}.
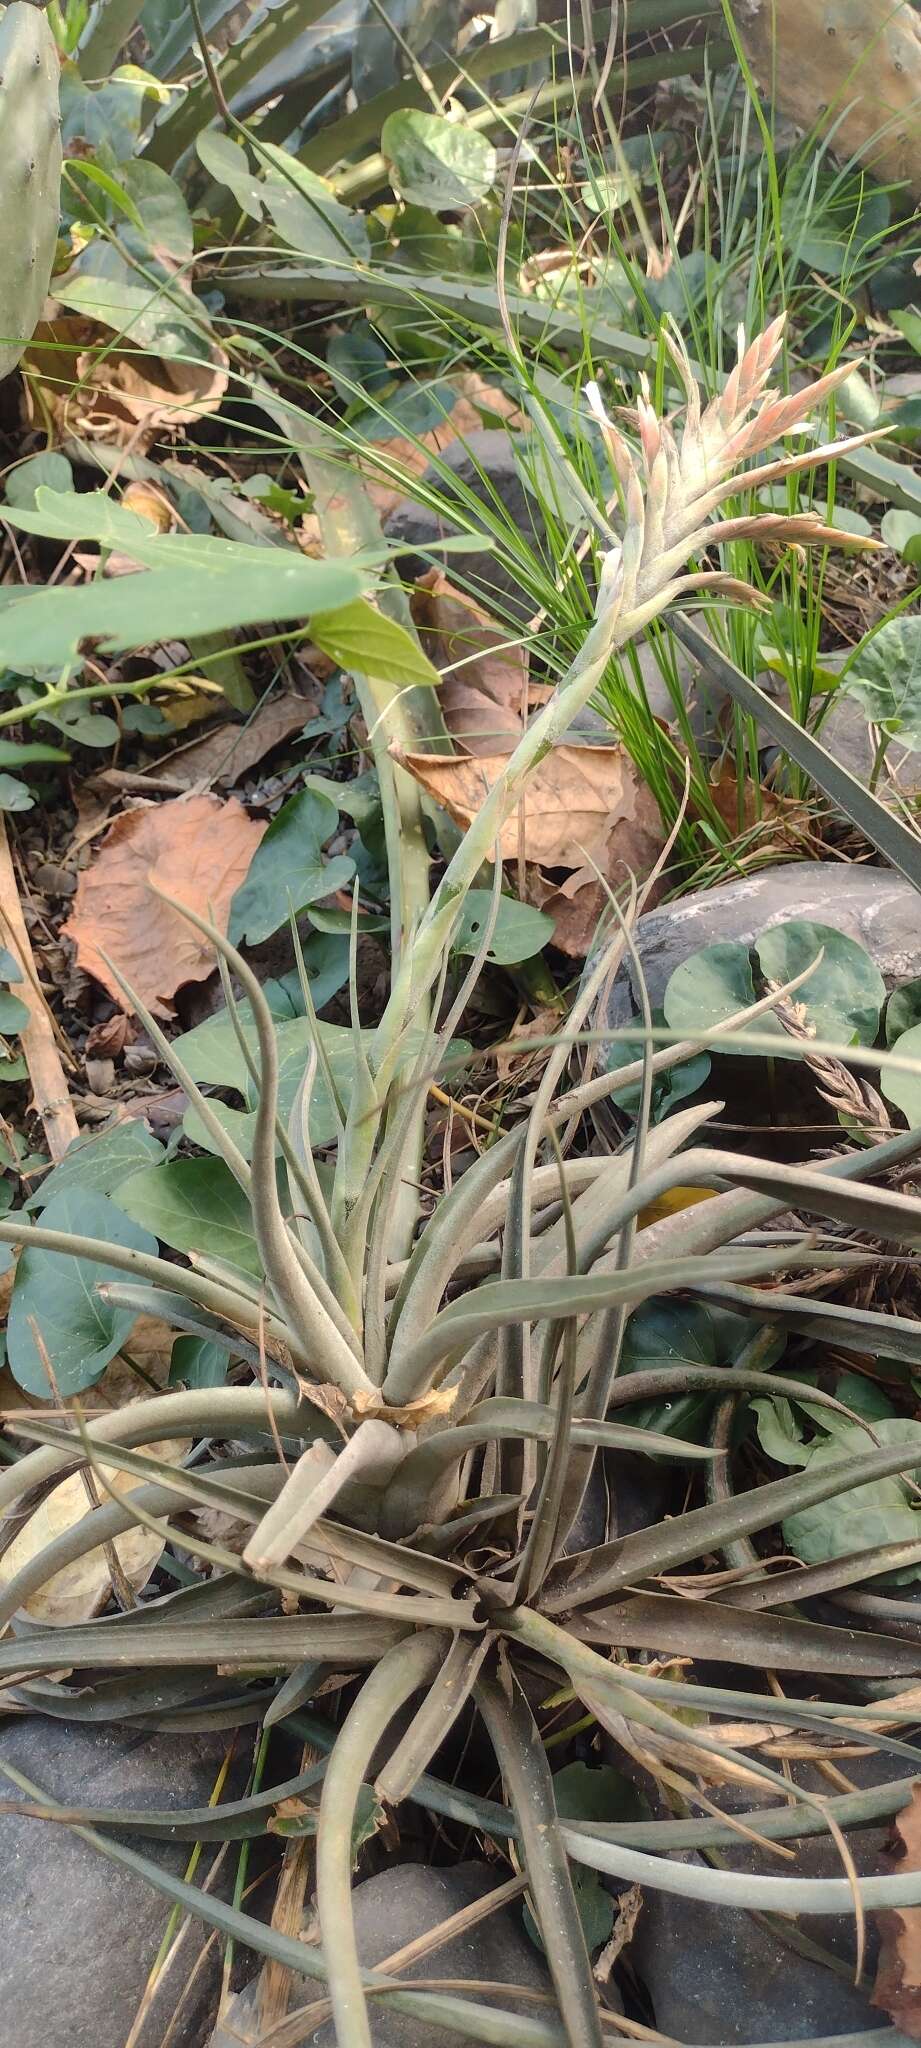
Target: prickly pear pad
{"x": 30, "y": 173}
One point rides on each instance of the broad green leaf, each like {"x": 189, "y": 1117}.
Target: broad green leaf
{"x": 81, "y": 1333}
{"x": 334, "y": 921}
{"x": 885, "y": 679}
{"x": 12, "y": 755}
{"x": 288, "y": 870}
{"x": 710, "y": 986}
{"x": 14, "y": 1016}
{"x": 194, "y": 1205}
{"x": 15, "y": 796}
{"x": 166, "y": 223}
{"x": 904, "y": 1089}
{"x": 76, "y": 167}
{"x": 326, "y": 962}
{"x": 213, "y": 1058}
{"x": 99, "y": 1164}
{"x": 844, "y": 997}
{"x": 103, "y": 286}
{"x": 879, "y": 1512}
{"x": 903, "y": 1010}
{"x": 357, "y": 363}
{"x": 779, "y": 1433}
{"x": 668, "y": 1088}
{"x": 10, "y": 969}
{"x": 46, "y": 630}
{"x": 438, "y": 163}
{"x": 909, "y": 324}
{"x": 581, "y": 1793}
{"x": 306, "y": 213}
{"x": 519, "y": 932}
{"x": 359, "y": 637}
{"x": 227, "y": 162}
{"x": 49, "y": 471}
{"x": 195, "y": 1362}
{"x": 666, "y": 1333}
{"x": 902, "y": 531}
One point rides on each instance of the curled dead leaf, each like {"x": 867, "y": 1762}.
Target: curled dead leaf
{"x": 197, "y": 849}
{"x": 88, "y": 388}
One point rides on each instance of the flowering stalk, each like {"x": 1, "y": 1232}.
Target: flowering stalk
{"x": 683, "y": 475}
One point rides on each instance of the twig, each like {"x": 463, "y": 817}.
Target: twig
{"x": 49, "y": 1086}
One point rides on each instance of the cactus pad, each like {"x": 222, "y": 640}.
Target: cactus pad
{"x": 854, "y": 63}
{"x": 30, "y": 173}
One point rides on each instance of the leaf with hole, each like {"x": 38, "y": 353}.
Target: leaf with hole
{"x": 80, "y": 1332}
{"x": 519, "y": 932}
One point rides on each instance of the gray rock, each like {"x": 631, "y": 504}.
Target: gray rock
{"x": 871, "y": 904}
{"x": 720, "y": 1975}
{"x": 484, "y": 463}
{"x": 79, "y": 1934}
{"x": 395, "y": 1908}
{"x": 625, "y": 1493}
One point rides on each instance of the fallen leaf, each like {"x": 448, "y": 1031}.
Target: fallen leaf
{"x": 198, "y": 849}
{"x": 106, "y": 1041}
{"x": 81, "y": 1589}
{"x": 897, "y": 1990}
{"x": 228, "y": 753}
{"x": 517, "y": 1047}
{"x": 482, "y": 699}
{"x": 575, "y": 904}
{"x": 582, "y": 801}
{"x": 87, "y": 387}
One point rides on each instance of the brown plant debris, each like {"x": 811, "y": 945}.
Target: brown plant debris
{"x": 897, "y": 1990}
{"x": 197, "y": 849}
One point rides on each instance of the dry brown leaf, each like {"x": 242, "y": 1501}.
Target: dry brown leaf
{"x": 198, "y": 849}
{"x": 89, "y": 389}
{"x": 229, "y": 752}
{"x": 482, "y": 700}
{"x": 518, "y": 1048}
{"x": 582, "y": 801}
{"x": 897, "y": 1990}
{"x": 576, "y": 905}
{"x": 80, "y": 1590}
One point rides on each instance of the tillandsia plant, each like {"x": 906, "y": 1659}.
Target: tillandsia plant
{"x": 413, "y": 1416}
